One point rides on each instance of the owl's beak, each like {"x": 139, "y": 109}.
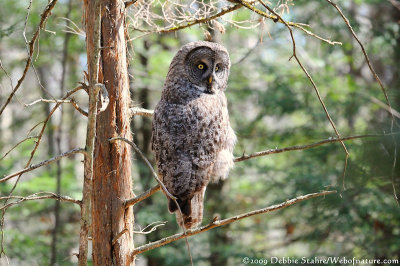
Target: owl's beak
{"x": 210, "y": 86}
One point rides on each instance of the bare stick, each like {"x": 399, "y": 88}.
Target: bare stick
{"x": 16, "y": 145}
{"x": 46, "y": 13}
{"x": 153, "y": 228}
{"x": 276, "y": 18}
{"x": 230, "y": 9}
{"x": 76, "y": 106}
{"x": 304, "y": 147}
{"x": 382, "y": 88}
{"x": 129, "y": 3}
{"x": 244, "y": 157}
{"x": 143, "y": 196}
{"x": 46, "y": 101}
{"x": 203, "y": 20}
{"x": 38, "y": 196}
{"x": 71, "y": 101}
{"x": 364, "y": 52}
{"x": 386, "y": 107}
{"x": 43, "y": 163}
{"x": 218, "y": 223}
{"x": 140, "y": 111}
{"x": 42, "y": 132}
{"x": 5, "y": 72}
{"x": 305, "y": 72}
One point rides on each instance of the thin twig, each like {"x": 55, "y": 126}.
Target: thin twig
{"x": 382, "y": 89}
{"x": 46, "y": 13}
{"x": 43, "y": 163}
{"x": 279, "y": 18}
{"x": 363, "y": 51}
{"x": 76, "y": 106}
{"x": 42, "y": 132}
{"x": 386, "y": 107}
{"x": 46, "y": 101}
{"x": 129, "y": 3}
{"x": 140, "y": 111}
{"x": 118, "y": 236}
{"x": 71, "y": 101}
{"x": 218, "y": 223}
{"x": 143, "y": 196}
{"x": 5, "y": 72}
{"x": 16, "y": 145}
{"x": 276, "y": 18}
{"x": 203, "y": 20}
{"x": 303, "y": 147}
{"x": 150, "y": 192}
{"x": 152, "y": 229}
{"x": 37, "y": 196}
{"x": 226, "y": 10}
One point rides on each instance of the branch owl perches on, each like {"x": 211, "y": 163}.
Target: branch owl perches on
{"x": 192, "y": 137}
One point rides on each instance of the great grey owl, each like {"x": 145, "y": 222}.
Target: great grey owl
{"x": 192, "y": 137}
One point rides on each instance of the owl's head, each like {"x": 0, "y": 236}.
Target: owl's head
{"x": 204, "y": 64}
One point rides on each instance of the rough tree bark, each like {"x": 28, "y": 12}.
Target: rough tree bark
{"x": 112, "y": 226}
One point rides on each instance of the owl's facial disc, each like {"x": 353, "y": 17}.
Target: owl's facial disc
{"x": 210, "y": 76}
{"x": 207, "y": 69}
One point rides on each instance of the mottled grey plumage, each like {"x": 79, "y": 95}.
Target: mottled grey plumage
{"x": 192, "y": 137}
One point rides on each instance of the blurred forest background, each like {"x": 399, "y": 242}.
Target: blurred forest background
{"x": 272, "y": 104}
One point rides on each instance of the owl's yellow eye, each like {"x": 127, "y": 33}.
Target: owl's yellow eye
{"x": 216, "y": 68}
{"x": 200, "y": 66}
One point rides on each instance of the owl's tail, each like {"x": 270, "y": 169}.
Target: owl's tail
{"x": 192, "y": 210}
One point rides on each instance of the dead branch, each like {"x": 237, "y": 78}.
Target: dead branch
{"x": 150, "y": 192}
{"x": 42, "y": 132}
{"x": 71, "y": 101}
{"x": 363, "y": 51}
{"x": 382, "y": 88}
{"x": 140, "y": 111}
{"x": 43, "y": 163}
{"x": 129, "y": 3}
{"x": 7, "y": 74}
{"x": 219, "y": 223}
{"x": 76, "y": 106}
{"x": 46, "y": 13}
{"x": 303, "y": 147}
{"x": 276, "y": 18}
{"x": 143, "y": 196}
{"x": 16, "y": 145}
{"x": 118, "y": 236}
{"x": 386, "y": 107}
{"x": 204, "y": 15}
{"x": 152, "y": 229}
{"x": 199, "y": 21}
{"x": 37, "y": 196}
{"x": 310, "y": 79}
{"x": 46, "y": 101}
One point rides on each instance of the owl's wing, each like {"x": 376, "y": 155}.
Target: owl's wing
{"x": 184, "y": 141}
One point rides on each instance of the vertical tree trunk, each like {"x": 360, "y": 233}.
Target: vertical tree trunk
{"x": 112, "y": 182}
